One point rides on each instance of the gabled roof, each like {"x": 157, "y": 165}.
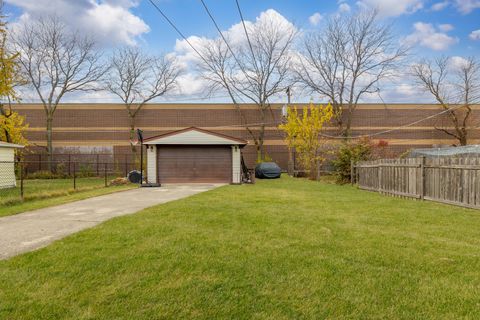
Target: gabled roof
{"x": 9, "y": 145}
{"x": 194, "y": 135}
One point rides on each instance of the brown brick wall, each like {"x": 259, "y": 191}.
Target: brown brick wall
{"x": 107, "y": 125}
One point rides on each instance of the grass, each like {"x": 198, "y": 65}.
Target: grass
{"x": 40, "y": 193}
{"x": 283, "y": 249}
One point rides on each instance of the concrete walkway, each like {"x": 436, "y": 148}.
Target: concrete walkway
{"x": 35, "y": 229}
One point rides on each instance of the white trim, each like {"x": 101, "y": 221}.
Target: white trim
{"x": 152, "y": 164}
{"x": 236, "y": 165}
{"x": 193, "y": 137}
{"x": 9, "y": 145}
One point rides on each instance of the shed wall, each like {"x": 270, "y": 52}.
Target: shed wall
{"x": 7, "y": 168}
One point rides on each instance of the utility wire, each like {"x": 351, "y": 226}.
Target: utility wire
{"x": 224, "y": 39}
{"x": 246, "y": 34}
{"x": 177, "y": 30}
{"x": 396, "y": 128}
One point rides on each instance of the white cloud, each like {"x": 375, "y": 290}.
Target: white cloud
{"x": 426, "y": 35}
{"x": 315, "y": 19}
{"x": 343, "y": 7}
{"x": 191, "y": 83}
{"x": 475, "y": 35}
{"x": 467, "y": 6}
{"x": 110, "y": 21}
{"x": 439, "y": 6}
{"x": 445, "y": 27}
{"x": 457, "y": 62}
{"x": 392, "y": 8}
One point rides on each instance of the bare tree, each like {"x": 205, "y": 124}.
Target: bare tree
{"x": 56, "y": 61}
{"x": 137, "y": 78}
{"x": 254, "y": 70}
{"x": 347, "y": 61}
{"x": 455, "y": 87}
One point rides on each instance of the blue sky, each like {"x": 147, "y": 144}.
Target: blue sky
{"x": 190, "y": 17}
{"x": 431, "y": 27}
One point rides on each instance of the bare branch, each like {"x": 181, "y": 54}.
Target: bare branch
{"x": 455, "y": 86}
{"x": 260, "y": 71}
{"x": 348, "y": 60}
{"x": 56, "y": 61}
{"x": 137, "y": 78}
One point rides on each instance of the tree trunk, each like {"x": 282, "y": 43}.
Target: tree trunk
{"x": 348, "y": 125}
{"x": 49, "y": 141}
{"x": 4, "y": 113}
{"x": 132, "y": 134}
{"x": 7, "y": 136}
{"x": 313, "y": 170}
{"x": 290, "y": 167}
{"x": 261, "y": 147}
{"x": 463, "y": 139}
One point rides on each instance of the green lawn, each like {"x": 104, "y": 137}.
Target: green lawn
{"x": 284, "y": 249}
{"x": 40, "y": 193}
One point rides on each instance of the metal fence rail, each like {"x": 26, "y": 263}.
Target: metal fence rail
{"x": 22, "y": 180}
{"x": 448, "y": 180}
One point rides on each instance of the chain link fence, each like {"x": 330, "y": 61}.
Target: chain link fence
{"x": 31, "y": 180}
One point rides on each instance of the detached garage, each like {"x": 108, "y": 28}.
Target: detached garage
{"x": 7, "y": 164}
{"x": 193, "y": 155}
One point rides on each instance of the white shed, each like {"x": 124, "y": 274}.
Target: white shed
{"x": 194, "y": 155}
{"x": 7, "y": 164}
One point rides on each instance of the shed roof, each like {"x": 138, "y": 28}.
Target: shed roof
{"x": 470, "y": 150}
{"x": 9, "y": 145}
{"x": 194, "y": 135}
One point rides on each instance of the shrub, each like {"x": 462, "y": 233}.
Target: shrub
{"x": 60, "y": 169}
{"x": 358, "y": 150}
{"x": 381, "y": 150}
{"x": 85, "y": 171}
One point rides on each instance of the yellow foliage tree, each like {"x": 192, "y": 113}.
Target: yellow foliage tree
{"x": 12, "y": 125}
{"x": 13, "y": 128}
{"x": 303, "y": 132}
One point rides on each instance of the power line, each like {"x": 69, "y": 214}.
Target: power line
{"x": 177, "y": 30}
{"x": 224, "y": 39}
{"x": 246, "y": 34}
{"x": 394, "y": 129}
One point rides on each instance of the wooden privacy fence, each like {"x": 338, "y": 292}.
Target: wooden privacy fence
{"x": 448, "y": 180}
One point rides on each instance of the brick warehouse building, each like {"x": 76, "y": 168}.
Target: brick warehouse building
{"x": 104, "y": 128}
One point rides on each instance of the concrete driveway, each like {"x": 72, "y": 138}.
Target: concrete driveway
{"x": 35, "y": 229}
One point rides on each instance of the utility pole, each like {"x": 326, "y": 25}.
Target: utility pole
{"x": 291, "y": 165}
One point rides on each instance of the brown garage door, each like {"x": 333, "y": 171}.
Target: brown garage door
{"x": 181, "y": 164}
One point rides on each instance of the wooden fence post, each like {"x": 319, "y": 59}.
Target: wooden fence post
{"x": 422, "y": 179}
{"x": 379, "y": 177}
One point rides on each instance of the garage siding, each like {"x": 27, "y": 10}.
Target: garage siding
{"x": 201, "y": 164}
